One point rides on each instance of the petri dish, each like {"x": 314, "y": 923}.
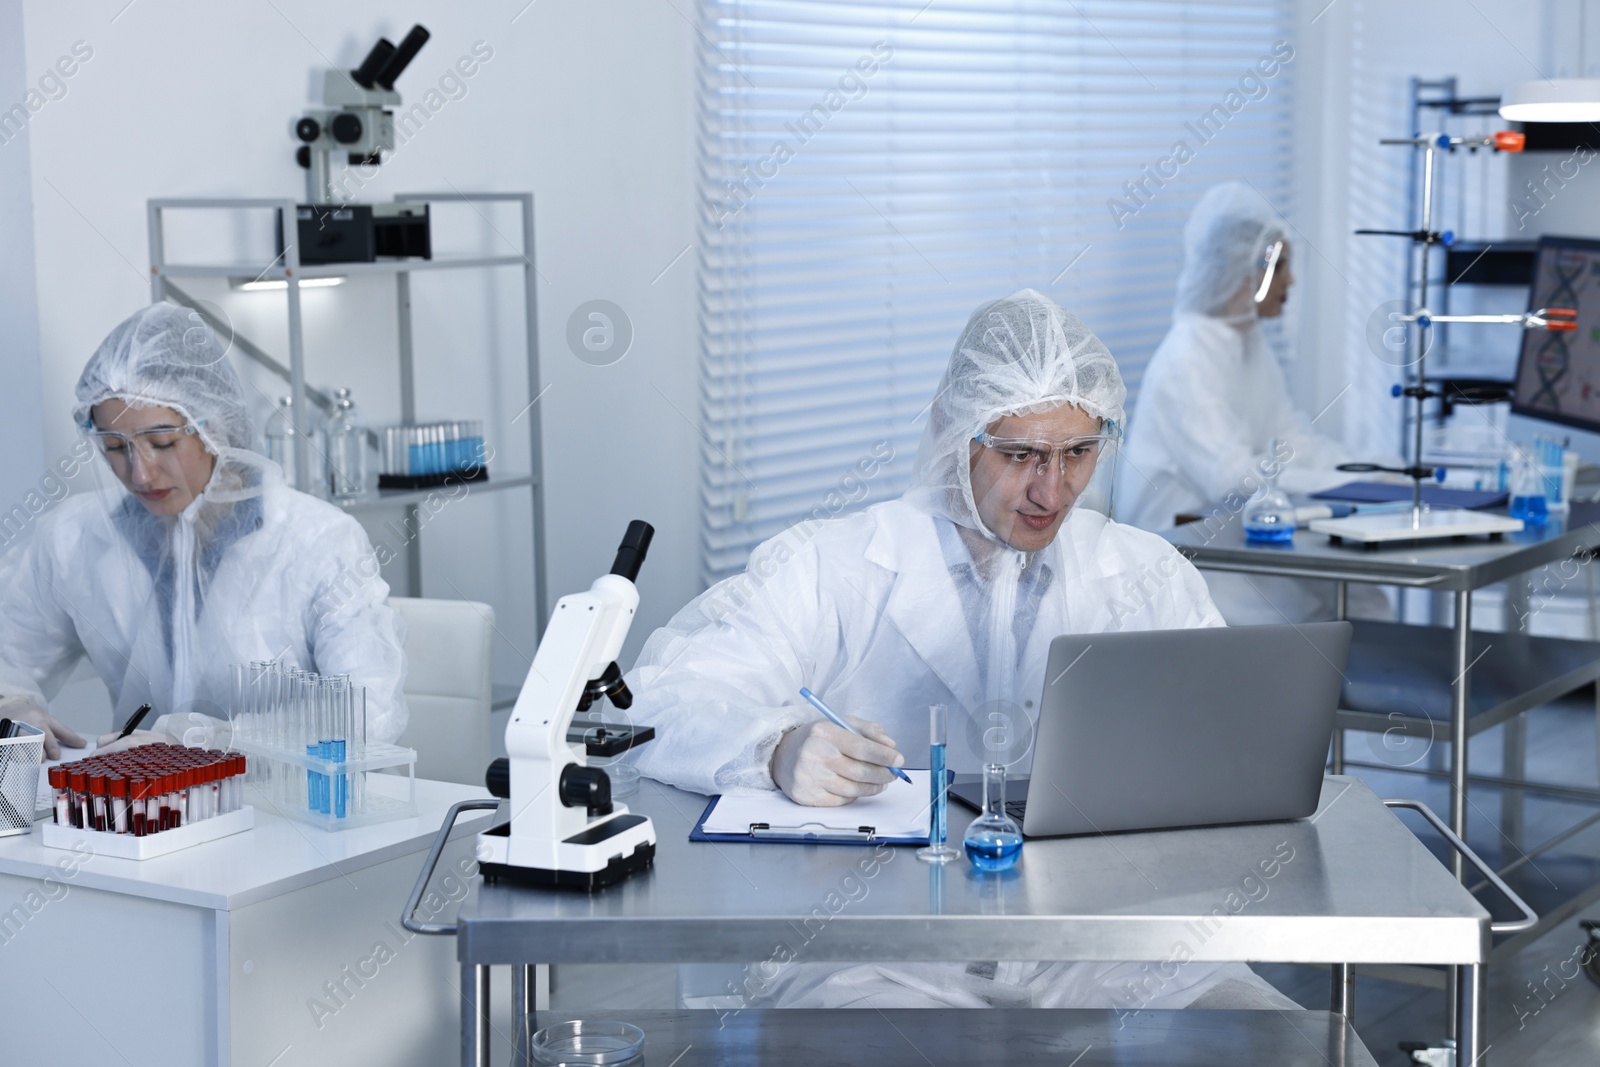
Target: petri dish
{"x": 588, "y": 1043}
{"x": 624, "y": 780}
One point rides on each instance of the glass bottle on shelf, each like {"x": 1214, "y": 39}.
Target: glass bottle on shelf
{"x": 281, "y": 440}
{"x": 346, "y": 440}
{"x": 993, "y": 841}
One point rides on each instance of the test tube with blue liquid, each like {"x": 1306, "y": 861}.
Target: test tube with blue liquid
{"x": 938, "y": 849}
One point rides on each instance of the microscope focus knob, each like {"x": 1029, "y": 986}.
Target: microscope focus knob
{"x": 346, "y": 128}
{"x": 498, "y": 778}
{"x": 308, "y": 129}
{"x": 586, "y": 787}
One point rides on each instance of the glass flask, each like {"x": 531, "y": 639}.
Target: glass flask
{"x": 1528, "y": 501}
{"x": 938, "y": 849}
{"x": 347, "y": 449}
{"x": 993, "y": 841}
{"x": 281, "y": 440}
{"x": 1269, "y": 516}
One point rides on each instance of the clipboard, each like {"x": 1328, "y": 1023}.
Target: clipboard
{"x": 828, "y": 826}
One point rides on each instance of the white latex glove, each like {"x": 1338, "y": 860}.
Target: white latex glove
{"x": 822, "y": 766}
{"x": 56, "y": 732}
{"x": 113, "y": 743}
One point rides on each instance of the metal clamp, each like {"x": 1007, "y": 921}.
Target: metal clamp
{"x": 1529, "y": 920}
{"x": 439, "y": 842}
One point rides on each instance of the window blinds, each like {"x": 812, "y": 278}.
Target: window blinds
{"x": 871, "y": 172}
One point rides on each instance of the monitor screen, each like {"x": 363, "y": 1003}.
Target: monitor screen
{"x": 1558, "y": 374}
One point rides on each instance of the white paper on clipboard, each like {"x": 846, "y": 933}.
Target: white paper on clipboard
{"x": 901, "y": 810}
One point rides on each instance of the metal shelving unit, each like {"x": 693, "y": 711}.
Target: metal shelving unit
{"x": 288, "y": 269}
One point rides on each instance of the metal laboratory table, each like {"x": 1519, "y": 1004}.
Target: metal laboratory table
{"x": 1412, "y": 679}
{"x": 1350, "y": 885}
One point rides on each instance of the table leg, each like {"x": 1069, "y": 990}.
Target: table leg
{"x": 1459, "y": 690}
{"x": 1514, "y": 766}
{"x": 1341, "y": 611}
{"x": 1343, "y": 999}
{"x": 524, "y": 1002}
{"x": 474, "y": 1015}
{"x": 1513, "y": 619}
{"x": 1467, "y": 1028}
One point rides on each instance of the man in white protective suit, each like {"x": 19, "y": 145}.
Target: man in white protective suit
{"x": 1214, "y": 401}
{"x": 948, "y": 595}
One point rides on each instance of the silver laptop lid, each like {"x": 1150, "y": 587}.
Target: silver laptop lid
{"x": 1168, "y": 728}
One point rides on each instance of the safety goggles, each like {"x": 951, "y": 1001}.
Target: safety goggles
{"x": 116, "y": 446}
{"x": 1075, "y": 456}
{"x": 1269, "y": 266}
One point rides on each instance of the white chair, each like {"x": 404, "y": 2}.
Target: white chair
{"x": 447, "y": 686}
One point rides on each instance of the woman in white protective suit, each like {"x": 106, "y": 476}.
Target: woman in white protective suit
{"x": 1214, "y": 400}
{"x": 949, "y": 595}
{"x": 192, "y": 557}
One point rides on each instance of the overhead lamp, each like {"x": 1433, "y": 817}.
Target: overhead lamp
{"x": 258, "y": 285}
{"x": 1553, "y": 100}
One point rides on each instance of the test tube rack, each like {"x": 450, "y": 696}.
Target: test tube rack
{"x": 147, "y": 801}
{"x": 433, "y": 454}
{"x": 377, "y": 784}
{"x": 311, "y": 760}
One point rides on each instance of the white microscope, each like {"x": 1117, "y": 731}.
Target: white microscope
{"x": 564, "y": 829}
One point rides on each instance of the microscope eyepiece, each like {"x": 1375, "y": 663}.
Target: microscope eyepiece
{"x": 630, "y": 554}
{"x": 397, "y": 62}
{"x": 381, "y": 53}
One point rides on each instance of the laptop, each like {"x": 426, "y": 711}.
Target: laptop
{"x": 1162, "y": 729}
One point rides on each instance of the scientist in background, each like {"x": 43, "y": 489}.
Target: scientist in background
{"x": 1214, "y": 400}
{"x": 948, "y": 595}
{"x": 194, "y": 557}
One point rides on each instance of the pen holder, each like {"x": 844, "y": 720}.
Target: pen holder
{"x": 20, "y": 755}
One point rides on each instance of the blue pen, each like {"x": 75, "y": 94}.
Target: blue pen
{"x": 833, "y": 717}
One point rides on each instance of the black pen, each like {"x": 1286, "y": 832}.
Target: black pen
{"x": 134, "y": 720}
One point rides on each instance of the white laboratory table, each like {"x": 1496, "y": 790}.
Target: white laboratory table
{"x": 277, "y": 946}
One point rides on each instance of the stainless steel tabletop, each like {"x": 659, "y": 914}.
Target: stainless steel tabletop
{"x": 912, "y": 1038}
{"x": 1470, "y": 563}
{"x": 1350, "y": 884}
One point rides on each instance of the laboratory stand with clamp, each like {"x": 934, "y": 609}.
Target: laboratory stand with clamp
{"x": 1415, "y": 322}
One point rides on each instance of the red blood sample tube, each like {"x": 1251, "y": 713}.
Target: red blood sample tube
{"x": 152, "y": 804}
{"x": 180, "y": 798}
{"x": 117, "y": 797}
{"x": 58, "y": 783}
{"x": 137, "y": 787}
{"x": 78, "y": 796}
{"x": 97, "y": 800}
{"x": 210, "y": 789}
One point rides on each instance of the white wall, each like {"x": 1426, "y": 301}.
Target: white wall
{"x": 587, "y": 103}
{"x": 21, "y": 432}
